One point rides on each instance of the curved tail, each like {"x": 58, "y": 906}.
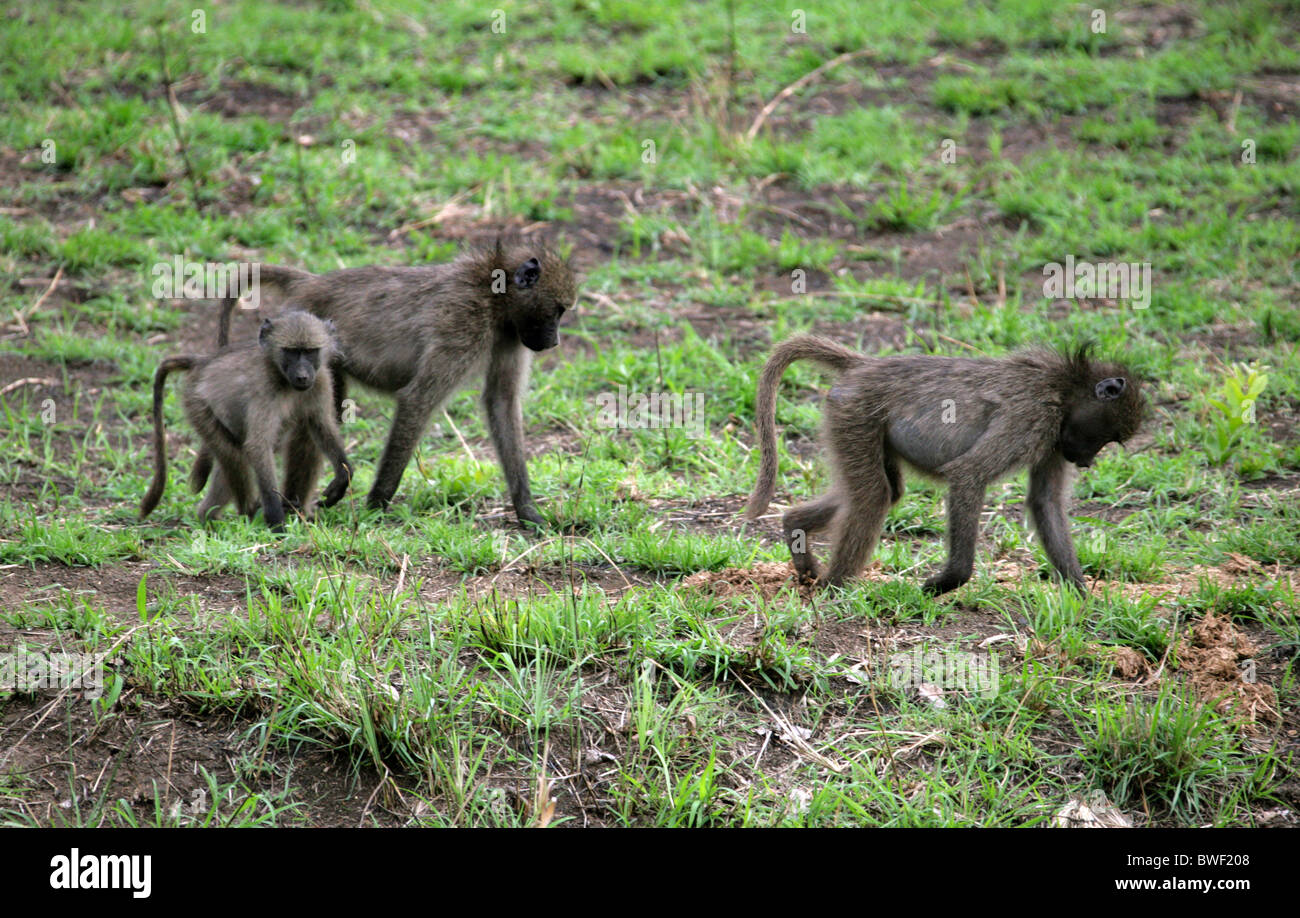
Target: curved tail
{"x": 802, "y": 347}
{"x": 155, "y": 492}
{"x": 277, "y": 276}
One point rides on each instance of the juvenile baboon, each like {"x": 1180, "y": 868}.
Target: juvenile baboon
{"x": 420, "y": 333}
{"x": 246, "y": 402}
{"x": 964, "y": 421}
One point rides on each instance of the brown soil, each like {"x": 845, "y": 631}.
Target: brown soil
{"x": 56, "y": 761}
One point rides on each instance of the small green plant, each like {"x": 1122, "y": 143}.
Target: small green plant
{"x": 102, "y": 705}
{"x": 1241, "y": 388}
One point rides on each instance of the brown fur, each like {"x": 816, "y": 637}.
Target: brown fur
{"x": 964, "y": 421}
{"x": 420, "y": 333}
{"x": 246, "y": 402}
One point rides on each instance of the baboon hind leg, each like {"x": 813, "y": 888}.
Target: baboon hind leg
{"x": 895, "y": 477}
{"x": 302, "y": 465}
{"x": 409, "y": 421}
{"x": 867, "y": 494}
{"x": 228, "y": 484}
{"x": 202, "y": 469}
{"x": 799, "y": 523}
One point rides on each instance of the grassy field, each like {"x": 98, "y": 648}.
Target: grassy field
{"x": 649, "y": 662}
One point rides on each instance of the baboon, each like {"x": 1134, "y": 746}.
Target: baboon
{"x": 964, "y": 421}
{"x": 420, "y": 333}
{"x": 246, "y": 402}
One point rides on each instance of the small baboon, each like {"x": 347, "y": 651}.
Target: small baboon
{"x": 420, "y": 333}
{"x": 964, "y": 421}
{"x": 246, "y": 402}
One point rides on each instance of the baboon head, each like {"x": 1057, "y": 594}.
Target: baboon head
{"x": 1105, "y": 405}
{"x": 294, "y": 342}
{"x": 540, "y": 286}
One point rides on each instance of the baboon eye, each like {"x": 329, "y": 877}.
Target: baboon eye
{"x": 1110, "y": 389}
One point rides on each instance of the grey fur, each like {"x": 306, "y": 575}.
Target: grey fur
{"x": 246, "y": 402}
{"x": 965, "y": 421}
{"x": 421, "y": 333}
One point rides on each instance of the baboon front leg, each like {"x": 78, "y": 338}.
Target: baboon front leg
{"x": 964, "y": 506}
{"x": 799, "y": 523}
{"x": 326, "y": 438}
{"x": 503, "y": 386}
{"x": 1049, "y": 489}
{"x": 262, "y": 461}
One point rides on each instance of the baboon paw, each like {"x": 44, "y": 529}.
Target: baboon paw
{"x": 806, "y": 575}
{"x": 942, "y": 583}
{"x": 274, "y": 517}
{"x": 334, "y": 493}
{"x": 531, "y": 520}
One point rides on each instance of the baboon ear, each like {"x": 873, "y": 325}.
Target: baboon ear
{"x": 267, "y": 325}
{"x": 1111, "y": 388}
{"x": 527, "y": 274}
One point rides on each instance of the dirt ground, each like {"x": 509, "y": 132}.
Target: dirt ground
{"x": 69, "y": 761}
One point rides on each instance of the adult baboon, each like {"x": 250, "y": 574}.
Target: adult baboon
{"x": 420, "y": 333}
{"x": 965, "y": 421}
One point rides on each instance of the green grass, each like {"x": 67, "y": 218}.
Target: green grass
{"x": 473, "y": 672}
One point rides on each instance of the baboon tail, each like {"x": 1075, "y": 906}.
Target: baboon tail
{"x": 802, "y": 347}
{"x": 278, "y": 276}
{"x": 155, "y": 491}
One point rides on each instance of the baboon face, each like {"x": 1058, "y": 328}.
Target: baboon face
{"x": 294, "y": 343}
{"x": 299, "y": 366}
{"x": 1110, "y": 413}
{"x": 542, "y": 288}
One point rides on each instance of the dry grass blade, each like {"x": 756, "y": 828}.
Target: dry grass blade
{"x": 799, "y": 84}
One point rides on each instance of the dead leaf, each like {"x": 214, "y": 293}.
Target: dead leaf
{"x": 1095, "y": 813}
{"x": 931, "y": 693}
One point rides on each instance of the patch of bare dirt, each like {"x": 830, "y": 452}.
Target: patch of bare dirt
{"x": 1212, "y": 659}
{"x": 61, "y": 397}
{"x": 239, "y": 98}
{"x": 1154, "y": 25}
{"x": 765, "y": 579}
{"x": 60, "y": 765}
{"x": 113, "y": 587}
{"x": 1179, "y": 584}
